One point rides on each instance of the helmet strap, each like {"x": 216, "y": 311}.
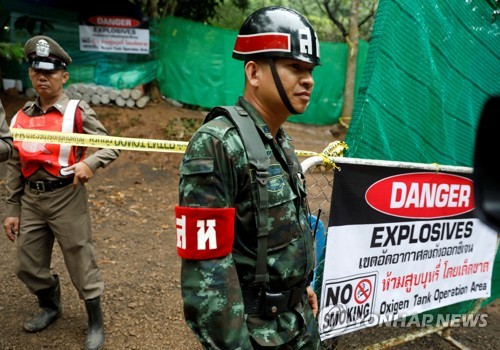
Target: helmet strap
{"x": 279, "y": 86}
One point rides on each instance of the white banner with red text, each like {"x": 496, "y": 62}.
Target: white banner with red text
{"x": 401, "y": 241}
{"x": 114, "y": 39}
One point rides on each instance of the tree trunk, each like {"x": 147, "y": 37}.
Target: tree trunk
{"x": 153, "y": 8}
{"x": 350, "y": 76}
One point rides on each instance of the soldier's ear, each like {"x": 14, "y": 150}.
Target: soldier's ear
{"x": 253, "y": 73}
{"x": 65, "y": 76}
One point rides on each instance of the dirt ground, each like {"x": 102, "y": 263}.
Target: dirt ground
{"x": 132, "y": 206}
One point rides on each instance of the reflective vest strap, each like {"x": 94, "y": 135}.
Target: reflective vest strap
{"x": 68, "y": 126}
{"x": 14, "y": 120}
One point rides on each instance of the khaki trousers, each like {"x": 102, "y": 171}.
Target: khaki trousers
{"x": 61, "y": 215}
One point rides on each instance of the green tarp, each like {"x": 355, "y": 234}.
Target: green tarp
{"x": 195, "y": 67}
{"x": 430, "y": 68}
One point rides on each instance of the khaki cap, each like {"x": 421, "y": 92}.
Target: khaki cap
{"x": 45, "y": 53}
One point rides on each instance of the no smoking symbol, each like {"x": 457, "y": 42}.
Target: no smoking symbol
{"x": 363, "y": 291}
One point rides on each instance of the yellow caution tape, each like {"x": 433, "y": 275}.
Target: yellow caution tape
{"x": 334, "y": 149}
{"x": 301, "y": 153}
{"x": 135, "y": 144}
{"x": 99, "y": 141}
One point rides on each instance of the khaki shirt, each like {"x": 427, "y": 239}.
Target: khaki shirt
{"x": 99, "y": 159}
{"x": 5, "y": 137}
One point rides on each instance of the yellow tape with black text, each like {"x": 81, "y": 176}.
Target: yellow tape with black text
{"x": 102, "y": 141}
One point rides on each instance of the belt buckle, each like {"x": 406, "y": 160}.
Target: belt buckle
{"x": 40, "y": 186}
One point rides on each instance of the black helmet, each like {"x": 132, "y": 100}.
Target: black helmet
{"x": 277, "y": 31}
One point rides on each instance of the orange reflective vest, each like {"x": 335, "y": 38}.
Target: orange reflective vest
{"x": 52, "y": 157}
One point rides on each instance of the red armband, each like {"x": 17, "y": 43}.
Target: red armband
{"x": 204, "y": 233}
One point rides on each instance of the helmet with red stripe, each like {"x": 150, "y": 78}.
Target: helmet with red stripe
{"x": 276, "y": 32}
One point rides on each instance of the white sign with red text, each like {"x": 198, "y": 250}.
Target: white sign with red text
{"x": 114, "y": 34}
{"x": 401, "y": 242}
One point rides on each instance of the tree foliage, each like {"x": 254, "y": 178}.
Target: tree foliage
{"x": 340, "y": 12}
{"x": 191, "y": 9}
{"x": 330, "y": 18}
{"x": 11, "y": 52}
{"x": 34, "y": 26}
{"x": 8, "y": 51}
{"x": 195, "y": 10}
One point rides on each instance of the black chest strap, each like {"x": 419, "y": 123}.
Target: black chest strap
{"x": 259, "y": 175}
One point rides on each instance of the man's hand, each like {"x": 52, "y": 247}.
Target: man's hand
{"x": 11, "y": 226}
{"x": 313, "y": 300}
{"x": 82, "y": 171}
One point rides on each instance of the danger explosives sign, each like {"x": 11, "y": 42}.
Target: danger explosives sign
{"x": 401, "y": 241}
{"x": 115, "y": 34}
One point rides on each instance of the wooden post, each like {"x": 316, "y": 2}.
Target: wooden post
{"x": 130, "y": 102}
{"x": 136, "y": 94}
{"x": 95, "y": 99}
{"x": 105, "y": 99}
{"x": 125, "y": 93}
{"x": 113, "y": 94}
{"x": 140, "y": 103}
{"x": 120, "y": 101}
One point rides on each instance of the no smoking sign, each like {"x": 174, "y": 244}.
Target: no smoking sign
{"x": 347, "y": 303}
{"x": 363, "y": 291}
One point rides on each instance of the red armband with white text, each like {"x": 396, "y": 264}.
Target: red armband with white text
{"x": 204, "y": 233}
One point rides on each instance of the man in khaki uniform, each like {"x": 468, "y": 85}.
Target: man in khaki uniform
{"x": 47, "y": 198}
{"x": 5, "y": 137}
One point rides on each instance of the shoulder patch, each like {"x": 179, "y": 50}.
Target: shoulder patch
{"x": 204, "y": 233}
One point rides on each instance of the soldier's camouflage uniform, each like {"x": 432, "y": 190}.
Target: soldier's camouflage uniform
{"x": 215, "y": 173}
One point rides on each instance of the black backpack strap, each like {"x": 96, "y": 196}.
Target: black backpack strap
{"x": 259, "y": 175}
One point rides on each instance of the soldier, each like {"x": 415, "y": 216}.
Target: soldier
{"x": 46, "y": 194}
{"x": 242, "y": 229}
{"x": 5, "y": 137}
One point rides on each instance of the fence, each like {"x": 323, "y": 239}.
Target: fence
{"x": 320, "y": 172}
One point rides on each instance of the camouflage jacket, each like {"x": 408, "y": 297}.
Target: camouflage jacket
{"x": 214, "y": 173}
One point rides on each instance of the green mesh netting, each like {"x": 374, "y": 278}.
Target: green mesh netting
{"x": 195, "y": 67}
{"x": 431, "y": 66}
